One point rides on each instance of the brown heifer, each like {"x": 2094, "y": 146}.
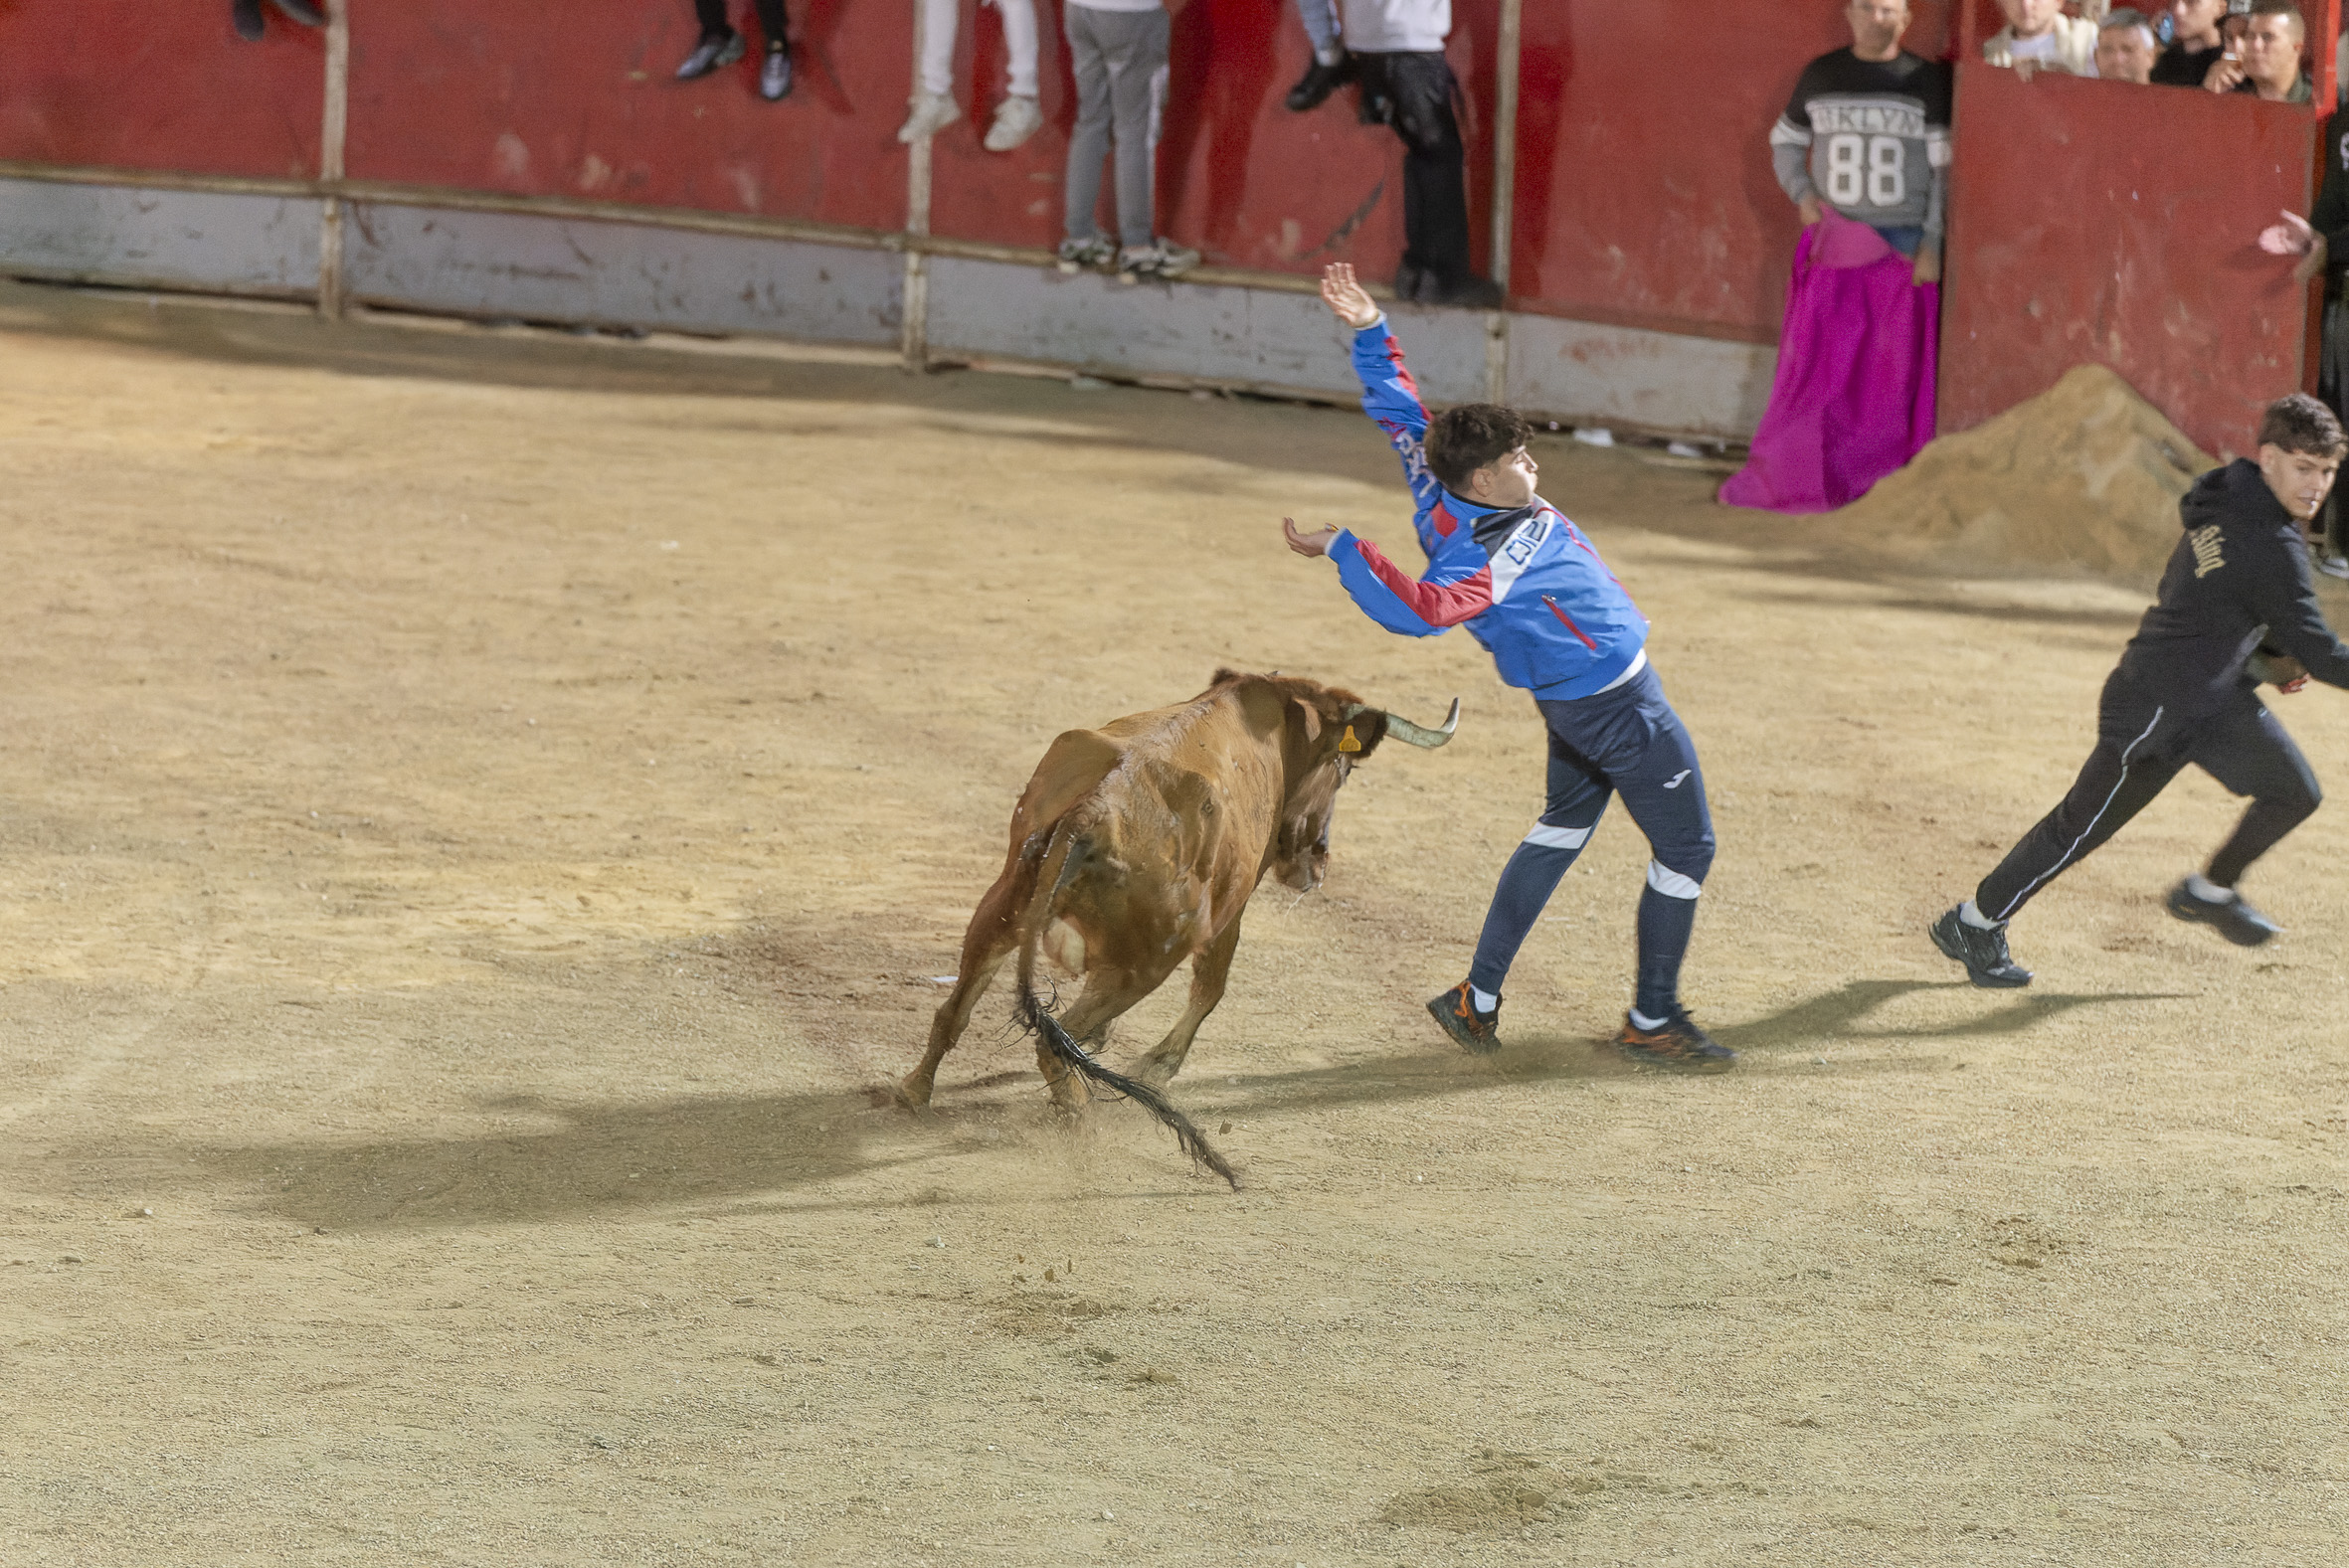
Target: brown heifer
{"x": 1133, "y": 849}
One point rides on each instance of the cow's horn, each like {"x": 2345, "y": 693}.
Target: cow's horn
{"x": 1403, "y": 730}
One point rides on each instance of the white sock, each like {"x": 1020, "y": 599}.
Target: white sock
{"x": 1485, "y": 1001}
{"x": 1329, "y": 58}
{"x": 2208, "y": 891}
{"x": 1640, "y": 1020}
{"x": 1976, "y": 918}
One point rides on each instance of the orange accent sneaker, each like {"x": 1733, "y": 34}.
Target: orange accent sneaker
{"x": 1477, "y": 1033}
{"x": 1678, "y": 1046}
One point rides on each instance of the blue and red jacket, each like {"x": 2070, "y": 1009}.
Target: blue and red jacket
{"x": 1525, "y": 582}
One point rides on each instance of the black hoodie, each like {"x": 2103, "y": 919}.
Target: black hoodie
{"x": 2239, "y": 576}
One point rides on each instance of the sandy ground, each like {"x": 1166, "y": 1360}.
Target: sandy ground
{"x": 483, "y": 812}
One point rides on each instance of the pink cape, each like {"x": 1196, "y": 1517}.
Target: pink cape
{"x": 1853, "y": 396}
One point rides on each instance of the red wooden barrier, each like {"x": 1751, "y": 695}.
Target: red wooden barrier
{"x": 2094, "y": 221}
{"x": 139, "y": 85}
{"x": 500, "y": 98}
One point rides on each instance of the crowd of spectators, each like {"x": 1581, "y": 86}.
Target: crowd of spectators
{"x": 2220, "y": 45}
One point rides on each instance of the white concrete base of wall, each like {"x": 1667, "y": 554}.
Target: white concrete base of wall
{"x": 622, "y": 273}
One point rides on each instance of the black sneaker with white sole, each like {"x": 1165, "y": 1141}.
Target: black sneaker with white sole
{"x": 1473, "y": 1031}
{"x": 2236, "y": 920}
{"x": 1983, "y": 951}
{"x": 1677, "y": 1045}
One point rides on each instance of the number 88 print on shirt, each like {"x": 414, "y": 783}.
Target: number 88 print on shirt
{"x": 1870, "y": 139}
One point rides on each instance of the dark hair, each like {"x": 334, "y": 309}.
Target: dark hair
{"x": 1463, "y": 440}
{"x": 2279, "y": 8}
{"x": 2301, "y": 424}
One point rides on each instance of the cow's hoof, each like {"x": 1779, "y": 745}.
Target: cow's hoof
{"x": 911, "y": 1094}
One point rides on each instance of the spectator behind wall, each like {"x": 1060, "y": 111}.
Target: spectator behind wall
{"x": 720, "y": 45}
{"x": 2126, "y": 48}
{"x": 2195, "y": 41}
{"x": 933, "y": 107}
{"x": 2273, "y": 35}
{"x": 1397, "y": 49}
{"x": 1863, "y": 151}
{"x": 2040, "y": 37}
{"x": 1117, "y": 51}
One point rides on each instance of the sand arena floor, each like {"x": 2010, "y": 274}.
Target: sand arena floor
{"x": 481, "y": 812}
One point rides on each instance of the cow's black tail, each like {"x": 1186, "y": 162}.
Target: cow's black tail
{"x": 1060, "y": 863}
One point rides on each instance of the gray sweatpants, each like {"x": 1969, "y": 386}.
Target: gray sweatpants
{"x": 1119, "y": 59}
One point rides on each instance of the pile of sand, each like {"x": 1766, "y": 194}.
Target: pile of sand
{"x": 2086, "y": 474}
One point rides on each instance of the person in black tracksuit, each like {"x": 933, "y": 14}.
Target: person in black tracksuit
{"x": 2237, "y": 607}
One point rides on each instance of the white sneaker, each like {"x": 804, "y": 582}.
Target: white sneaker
{"x": 1158, "y": 259}
{"x": 2333, "y": 566}
{"x": 1084, "y": 256}
{"x": 1016, "y": 119}
{"x": 932, "y": 114}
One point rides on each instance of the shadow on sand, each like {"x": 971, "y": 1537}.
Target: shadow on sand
{"x": 638, "y": 1157}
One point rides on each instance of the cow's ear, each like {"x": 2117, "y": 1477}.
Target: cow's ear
{"x": 1308, "y": 720}
{"x": 1358, "y": 737}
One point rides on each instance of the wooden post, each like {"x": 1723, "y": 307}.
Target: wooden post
{"x": 1969, "y": 30}
{"x": 1505, "y": 196}
{"x": 335, "y": 122}
{"x": 914, "y": 302}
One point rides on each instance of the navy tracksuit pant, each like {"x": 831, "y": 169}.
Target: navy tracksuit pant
{"x": 2141, "y": 744}
{"x": 1625, "y": 742}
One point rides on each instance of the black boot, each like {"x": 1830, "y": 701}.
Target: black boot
{"x": 1318, "y": 82}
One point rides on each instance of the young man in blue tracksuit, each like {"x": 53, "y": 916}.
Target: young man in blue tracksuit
{"x": 1531, "y": 590}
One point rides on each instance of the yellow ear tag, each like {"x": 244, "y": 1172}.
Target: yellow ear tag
{"x": 1349, "y": 744}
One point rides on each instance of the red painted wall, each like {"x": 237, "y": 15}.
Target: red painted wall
{"x": 145, "y": 85}
{"x": 2085, "y": 226}
{"x": 585, "y": 103}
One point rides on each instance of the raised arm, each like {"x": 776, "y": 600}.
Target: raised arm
{"x": 1389, "y": 395}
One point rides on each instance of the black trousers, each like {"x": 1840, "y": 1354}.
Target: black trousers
{"x": 711, "y": 14}
{"x": 1413, "y": 94}
{"x": 2141, "y": 744}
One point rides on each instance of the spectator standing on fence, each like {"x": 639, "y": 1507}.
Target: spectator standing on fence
{"x": 2197, "y": 40}
{"x": 2126, "y": 48}
{"x": 1863, "y": 151}
{"x": 245, "y": 16}
{"x": 1331, "y": 66}
{"x": 2267, "y": 60}
{"x": 934, "y": 108}
{"x": 1117, "y": 51}
{"x": 720, "y": 45}
{"x": 2321, "y": 240}
{"x": 1397, "y": 49}
{"x": 2040, "y": 37}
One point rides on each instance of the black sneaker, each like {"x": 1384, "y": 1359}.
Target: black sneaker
{"x": 1477, "y": 1033}
{"x": 712, "y": 50}
{"x": 1677, "y": 1045}
{"x": 301, "y": 11}
{"x": 1982, "y": 951}
{"x": 245, "y": 16}
{"x": 1319, "y": 81}
{"x": 2237, "y": 921}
